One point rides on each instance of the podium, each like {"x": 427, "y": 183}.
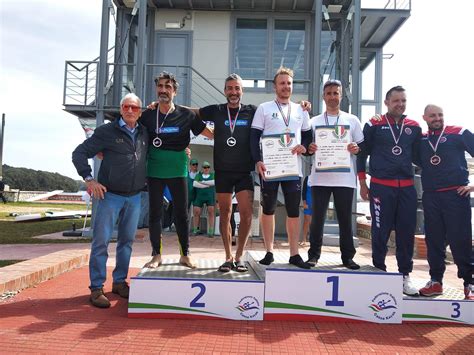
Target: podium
{"x": 175, "y": 291}
{"x": 328, "y": 292}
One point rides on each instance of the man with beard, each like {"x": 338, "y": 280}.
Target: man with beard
{"x": 285, "y": 118}
{"x": 390, "y": 143}
{"x": 233, "y": 165}
{"x": 340, "y": 185}
{"x": 169, "y": 127}
{"x": 446, "y": 199}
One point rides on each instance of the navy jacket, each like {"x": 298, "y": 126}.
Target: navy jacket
{"x": 452, "y": 171}
{"x": 122, "y": 170}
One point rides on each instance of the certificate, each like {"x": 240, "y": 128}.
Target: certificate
{"x": 280, "y": 163}
{"x": 332, "y": 154}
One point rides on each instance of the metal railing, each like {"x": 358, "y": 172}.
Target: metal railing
{"x": 80, "y": 84}
{"x": 386, "y": 5}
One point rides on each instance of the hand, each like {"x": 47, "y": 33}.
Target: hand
{"x": 153, "y": 105}
{"x": 188, "y": 152}
{"x": 305, "y": 105}
{"x": 377, "y": 117}
{"x": 261, "y": 169}
{"x": 96, "y": 189}
{"x": 465, "y": 190}
{"x": 353, "y": 148}
{"x": 298, "y": 149}
{"x": 364, "y": 190}
{"x": 312, "y": 148}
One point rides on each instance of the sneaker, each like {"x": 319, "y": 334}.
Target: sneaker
{"x": 297, "y": 260}
{"x": 312, "y": 261}
{"x": 98, "y": 298}
{"x": 121, "y": 288}
{"x": 432, "y": 288}
{"x": 469, "y": 292}
{"x": 351, "y": 264}
{"x": 268, "y": 259}
{"x": 408, "y": 288}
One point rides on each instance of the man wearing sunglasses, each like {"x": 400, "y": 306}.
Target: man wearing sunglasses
{"x": 169, "y": 127}
{"x": 193, "y": 170}
{"x": 121, "y": 177}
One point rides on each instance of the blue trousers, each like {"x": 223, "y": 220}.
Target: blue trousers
{"x": 448, "y": 221}
{"x": 393, "y": 208}
{"x": 112, "y": 209}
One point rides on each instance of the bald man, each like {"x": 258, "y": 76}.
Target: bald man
{"x": 446, "y": 199}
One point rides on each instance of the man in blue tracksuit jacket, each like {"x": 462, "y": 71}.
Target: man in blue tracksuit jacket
{"x": 446, "y": 202}
{"x": 390, "y": 143}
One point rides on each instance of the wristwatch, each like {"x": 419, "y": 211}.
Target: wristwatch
{"x": 88, "y": 178}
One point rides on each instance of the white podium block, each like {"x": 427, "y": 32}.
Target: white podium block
{"x": 173, "y": 291}
{"x": 315, "y": 295}
{"x": 451, "y": 307}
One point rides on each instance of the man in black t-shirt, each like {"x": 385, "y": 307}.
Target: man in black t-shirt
{"x": 2, "y": 188}
{"x": 233, "y": 165}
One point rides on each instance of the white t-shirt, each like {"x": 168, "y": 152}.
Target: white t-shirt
{"x": 342, "y": 179}
{"x": 268, "y": 119}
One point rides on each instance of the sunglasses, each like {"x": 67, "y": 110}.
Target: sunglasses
{"x": 194, "y": 164}
{"x": 132, "y": 107}
{"x": 206, "y": 167}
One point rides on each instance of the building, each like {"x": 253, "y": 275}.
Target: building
{"x": 202, "y": 41}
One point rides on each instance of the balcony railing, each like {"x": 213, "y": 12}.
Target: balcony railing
{"x": 80, "y": 85}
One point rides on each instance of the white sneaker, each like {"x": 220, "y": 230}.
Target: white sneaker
{"x": 408, "y": 288}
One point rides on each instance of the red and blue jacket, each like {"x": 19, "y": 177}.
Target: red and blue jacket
{"x": 385, "y": 167}
{"x": 452, "y": 171}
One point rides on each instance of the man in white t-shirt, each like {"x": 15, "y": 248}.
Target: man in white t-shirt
{"x": 285, "y": 118}
{"x": 340, "y": 184}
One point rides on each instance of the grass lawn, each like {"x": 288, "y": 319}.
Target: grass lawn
{"x": 9, "y": 262}
{"x": 22, "y": 233}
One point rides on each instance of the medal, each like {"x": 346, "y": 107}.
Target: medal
{"x": 231, "y": 141}
{"x": 396, "y": 150}
{"x": 157, "y": 142}
{"x": 435, "y": 159}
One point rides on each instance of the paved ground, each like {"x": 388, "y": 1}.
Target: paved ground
{"x": 55, "y": 316}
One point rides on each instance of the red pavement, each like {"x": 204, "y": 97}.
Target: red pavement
{"x": 56, "y": 317}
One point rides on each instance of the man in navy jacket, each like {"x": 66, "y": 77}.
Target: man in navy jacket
{"x": 446, "y": 199}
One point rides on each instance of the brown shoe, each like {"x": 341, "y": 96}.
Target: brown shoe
{"x": 121, "y": 288}
{"x": 98, "y": 298}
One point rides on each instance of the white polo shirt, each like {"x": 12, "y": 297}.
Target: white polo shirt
{"x": 269, "y": 120}
{"x": 342, "y": 179}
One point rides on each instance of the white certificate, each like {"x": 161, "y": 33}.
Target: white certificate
{"x": 280, "y": 163}
{"x": 332, "y": 154}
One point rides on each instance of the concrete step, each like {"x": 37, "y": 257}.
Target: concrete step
{"x": 332, "y": 240}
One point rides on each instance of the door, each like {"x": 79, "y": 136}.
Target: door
{"x": 173, "y": 54}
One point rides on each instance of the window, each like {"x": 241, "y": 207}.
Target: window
{"x": 251, "y": 48}
{"x": 261, "y": 46}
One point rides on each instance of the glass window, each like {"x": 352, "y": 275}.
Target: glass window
{"x": 251, "y": 48}
{"x": 288, "y": 46}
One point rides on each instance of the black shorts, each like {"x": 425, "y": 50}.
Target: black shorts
{"x": 291, "y": 191}
{"x": 227, "y": 181}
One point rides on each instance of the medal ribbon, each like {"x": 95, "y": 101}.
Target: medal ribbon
{"x": 286, "y": 119}
{"x": 435, "y": 147}
{"x": 158, "y": 129}
{"x": 232, "y": 124}
{"x": 327, "y": 119}
{"x": 396, "y": 140}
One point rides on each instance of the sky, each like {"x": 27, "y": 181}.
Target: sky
{"x": 432, "y": 60}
